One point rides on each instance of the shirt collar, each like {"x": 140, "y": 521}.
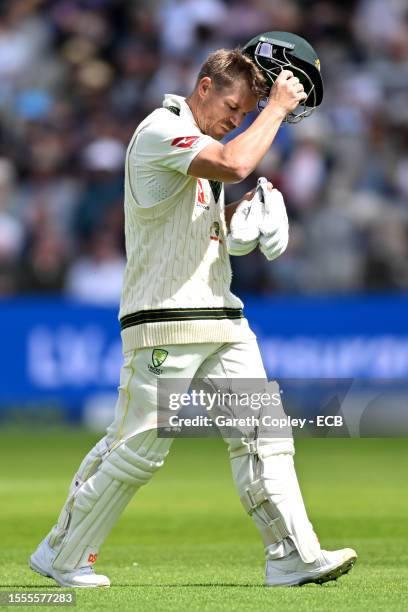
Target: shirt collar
{"x": 180, "y": 103}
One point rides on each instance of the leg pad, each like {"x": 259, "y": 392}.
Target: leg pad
{"x": 96, "y": 504}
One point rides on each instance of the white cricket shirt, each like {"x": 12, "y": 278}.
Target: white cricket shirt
{"x": 177, "y": 279}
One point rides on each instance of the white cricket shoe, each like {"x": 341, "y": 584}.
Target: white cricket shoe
{"x": 84, "y": 577}
{"x": 292, "y": 571}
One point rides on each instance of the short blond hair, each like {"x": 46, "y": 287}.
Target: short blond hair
{"x": 224, "y": 66}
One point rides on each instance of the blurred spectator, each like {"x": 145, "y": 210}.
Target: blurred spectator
{"x": 44, "y": 265}
{"x": 96, "y": 277}
{"x": 103, "y": 161}
{"x": 11, "y": 229}
{"x": 179, "y": 20}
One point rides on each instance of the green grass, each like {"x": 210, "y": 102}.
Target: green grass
{"x": 185, "y": 543}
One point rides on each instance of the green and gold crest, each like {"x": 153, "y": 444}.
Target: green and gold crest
{"x": 215, "y": 229}
{"x": 158, "y": 357}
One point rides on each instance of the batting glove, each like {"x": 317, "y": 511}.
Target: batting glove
{"x": 274, "y": 224}
{"x": 244, "y": 227}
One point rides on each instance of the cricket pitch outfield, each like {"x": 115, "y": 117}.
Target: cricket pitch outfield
{"x": 185, "y": 543}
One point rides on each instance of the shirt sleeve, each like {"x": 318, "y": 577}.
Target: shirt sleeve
{"x": 169, "y": 142}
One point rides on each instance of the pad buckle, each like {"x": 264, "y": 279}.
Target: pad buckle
{"x": 254, "y": 498}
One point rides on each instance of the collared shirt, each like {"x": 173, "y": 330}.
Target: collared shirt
{"x": 159, "y": 158}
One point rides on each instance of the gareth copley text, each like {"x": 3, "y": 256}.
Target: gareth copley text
{"x": 254, "y": 421}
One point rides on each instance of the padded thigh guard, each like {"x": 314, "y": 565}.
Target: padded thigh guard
{"x": 94, "y": 507}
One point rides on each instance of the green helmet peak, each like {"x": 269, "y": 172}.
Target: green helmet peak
{"x": 276, "y": 51}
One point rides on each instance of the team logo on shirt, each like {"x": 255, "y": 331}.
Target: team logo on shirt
{"x": 159, "y": 356}
{"x": 215, "y": 232}
{"x": 184, "y": 142}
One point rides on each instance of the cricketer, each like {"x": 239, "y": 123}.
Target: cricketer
{"x": 178, "y": 316}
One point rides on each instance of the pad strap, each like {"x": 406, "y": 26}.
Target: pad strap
{"x": 254, "y": 498}
{"x": 247, "y": 448}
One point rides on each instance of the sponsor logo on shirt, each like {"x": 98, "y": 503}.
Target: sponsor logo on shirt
{"x": 202, "y": 198}
{"x": 184, "y": 142}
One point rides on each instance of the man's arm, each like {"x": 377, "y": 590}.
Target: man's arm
{"x": 234, "y": 161}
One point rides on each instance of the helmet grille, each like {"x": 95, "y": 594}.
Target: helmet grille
{"x": 272, "y": 57}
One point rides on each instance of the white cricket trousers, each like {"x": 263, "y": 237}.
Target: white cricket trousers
{"x": 130, "y": 453}
{"x": 136, "y": 408}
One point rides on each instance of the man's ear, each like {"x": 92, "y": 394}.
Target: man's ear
{"x": 204, "y": 87}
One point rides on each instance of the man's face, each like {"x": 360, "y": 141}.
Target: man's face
{"x": 222, "y": 110}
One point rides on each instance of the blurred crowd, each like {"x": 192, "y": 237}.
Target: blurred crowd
{"x": 77, "y": 76}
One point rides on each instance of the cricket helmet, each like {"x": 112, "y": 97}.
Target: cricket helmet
{"x": 276, "y": 51}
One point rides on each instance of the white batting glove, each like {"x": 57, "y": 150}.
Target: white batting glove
{"x": 262, "y": 220}
{"x": 274, "y": 224}
{"x": 244, "y": 227}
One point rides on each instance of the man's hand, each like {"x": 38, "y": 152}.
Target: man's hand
{"x": 286, "y": 93}
{"x": 274, "y": 224}
{"x": 250, "y": 194}
{"x": 231, "y": 208}
{"x": 243, "y": 232}
{"x": 260, "y": 218}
